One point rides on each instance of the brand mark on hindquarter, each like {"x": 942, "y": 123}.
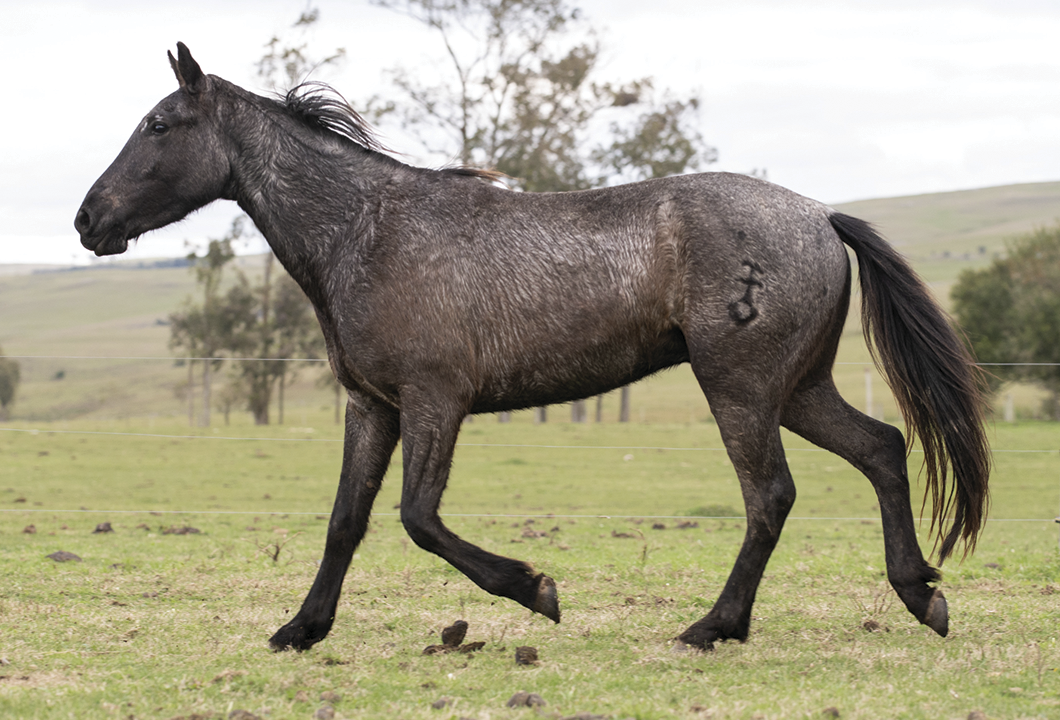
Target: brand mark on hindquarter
{"x": 743, "y": 311}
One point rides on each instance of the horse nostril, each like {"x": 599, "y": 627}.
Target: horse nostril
{"x": 83, "y": 221}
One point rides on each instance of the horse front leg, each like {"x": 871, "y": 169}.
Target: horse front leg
{"x": 429, "y": 434}
{"x": 754, "y": 447}
{"x": 372, "y": 433}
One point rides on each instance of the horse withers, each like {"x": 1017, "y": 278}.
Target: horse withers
{"x": 442, "y": 295}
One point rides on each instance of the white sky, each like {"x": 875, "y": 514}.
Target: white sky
{"x": 837, "y": 100}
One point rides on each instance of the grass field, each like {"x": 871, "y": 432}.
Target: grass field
{"x": 153, "y": 623}
{"x": 157, "y": 625}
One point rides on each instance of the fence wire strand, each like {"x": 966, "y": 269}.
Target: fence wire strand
{"x": 176, "y": 358}
{"x": 38, "y": 431}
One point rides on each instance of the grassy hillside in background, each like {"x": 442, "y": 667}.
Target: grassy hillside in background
{"x": 926, "y": 226}
{"x": 943, "y": 233}
{"x": 118, "y": 311}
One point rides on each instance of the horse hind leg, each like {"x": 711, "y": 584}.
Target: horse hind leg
{"x": 751, "y": 435}
{"x": 818, "y": 413}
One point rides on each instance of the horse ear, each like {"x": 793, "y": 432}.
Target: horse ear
{"x": 189, "y": 75}
{"x": 176, "y": 68}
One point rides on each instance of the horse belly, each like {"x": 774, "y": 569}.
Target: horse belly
{"x": 559, "y": 354}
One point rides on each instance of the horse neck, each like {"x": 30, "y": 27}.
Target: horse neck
{"x": 305, "y": 192}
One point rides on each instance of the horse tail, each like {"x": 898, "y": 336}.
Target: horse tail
{"x": 934, "y": 379}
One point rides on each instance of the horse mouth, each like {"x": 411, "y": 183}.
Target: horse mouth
{"x": 107, "y": 245}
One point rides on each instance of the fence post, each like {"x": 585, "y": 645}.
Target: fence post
{"x": 191, "y": 395}
{"x": 868, "y": 393}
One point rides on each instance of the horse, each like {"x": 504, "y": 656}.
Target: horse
{"x": 442, "y": 295}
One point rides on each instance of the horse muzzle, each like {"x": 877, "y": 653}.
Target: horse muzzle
{"x": 97, "y": 235}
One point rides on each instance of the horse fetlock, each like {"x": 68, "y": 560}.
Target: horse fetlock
{"x": 546, "y": 601}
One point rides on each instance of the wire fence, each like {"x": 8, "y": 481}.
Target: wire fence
{"x": 214, "y": 437}
{"x": 218, "y": 358}
{"x": 46, "y": 431}
{"x": 170, "y": 436}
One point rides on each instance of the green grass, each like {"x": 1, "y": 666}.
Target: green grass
{"x": 161, "y": 625}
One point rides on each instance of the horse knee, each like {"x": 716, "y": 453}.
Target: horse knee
{"x": 419, "y": 527}
{"x": 784, "y": 495}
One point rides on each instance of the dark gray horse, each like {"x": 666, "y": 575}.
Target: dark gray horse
{"x": 441, "y": 295}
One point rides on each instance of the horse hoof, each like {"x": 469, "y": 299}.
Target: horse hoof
{"x": 292, "y": 637}
{"x": 692, "y": 638}
{"x": 937, "y": 616}
{"x": 279, "y": 644}
{"x": 547, "y": 601}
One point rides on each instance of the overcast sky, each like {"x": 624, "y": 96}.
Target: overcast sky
{"x": 836, "y": 100}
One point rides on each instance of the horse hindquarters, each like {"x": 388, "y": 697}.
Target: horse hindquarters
{"x": 762, "y": 313}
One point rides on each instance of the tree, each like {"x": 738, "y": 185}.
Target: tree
{"x": 662, "y": 141}
{"x": 264, "y": 326}
{"x": 296, "y": 331}
{"x": 257, "y": 369}
{"x": 283, "y": 324}
{"x": 10, "y": 375}
{"x": 328, "y": 381}
{"x": 286, "y": 61}
{"x": 519, "y": 97}
{"x": 274, "y": 323}
{"x": 1010, "y": 312}
{"x": 206, "y": 330}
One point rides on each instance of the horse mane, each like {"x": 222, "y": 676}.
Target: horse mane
{"x": 319, "y": 105}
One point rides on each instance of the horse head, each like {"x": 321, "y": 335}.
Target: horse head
{"x": 173, "y": 164}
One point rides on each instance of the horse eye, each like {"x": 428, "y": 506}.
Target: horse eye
{"x": 158, "y": 128}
